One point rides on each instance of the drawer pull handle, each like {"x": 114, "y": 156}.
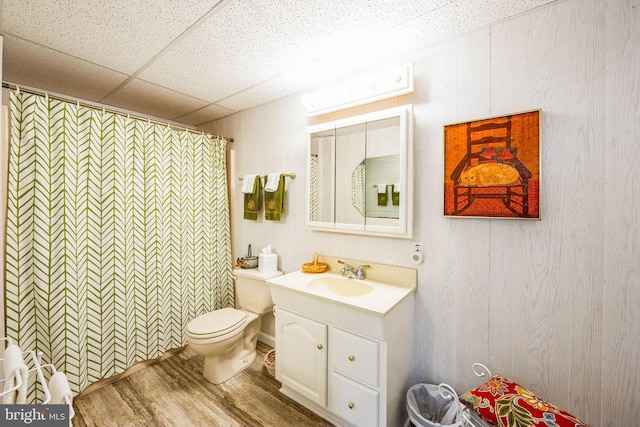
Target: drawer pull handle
{"x": 319, "y": 346}
{"x": 351, "y": 358}
{"x": 351, "y": 405}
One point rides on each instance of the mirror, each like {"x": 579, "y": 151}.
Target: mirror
{"x": 359, "y": 174}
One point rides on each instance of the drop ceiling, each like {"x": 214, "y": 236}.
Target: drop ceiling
{"x": 193, "y": 61}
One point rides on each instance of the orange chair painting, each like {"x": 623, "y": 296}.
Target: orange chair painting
{"x": 492, "y": 167}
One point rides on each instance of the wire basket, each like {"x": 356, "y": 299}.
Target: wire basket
{"x": 315, "y": 266}
{"x": 270, "y": 362}
{"x": 310, "y": 267}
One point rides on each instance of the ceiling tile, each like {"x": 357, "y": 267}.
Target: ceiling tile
{"x": 337, "y": 19}
{"x": 254, "y": 96}
{"x": 93, "y": 30}
{"x": 295, "y": 80}
{"x": 204, "y": 115}
{"x": 32, "y": 65}
{"x": 234, "y": 49}
{"x": 153, "y": 100}
{"x": 461, "y": 17}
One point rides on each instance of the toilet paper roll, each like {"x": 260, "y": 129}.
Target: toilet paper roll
{"x": 267, "y": 263}
{"x": 417, "y": 257}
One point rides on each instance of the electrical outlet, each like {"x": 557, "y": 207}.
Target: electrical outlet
{"x": 417, "y": 246}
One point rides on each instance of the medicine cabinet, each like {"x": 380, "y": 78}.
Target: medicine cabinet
{"x": 360, "y": 174}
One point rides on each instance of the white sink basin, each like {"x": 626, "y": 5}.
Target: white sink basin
{"x": 341, "y": 286}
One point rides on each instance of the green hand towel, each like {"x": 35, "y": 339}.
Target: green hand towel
{"x": 383, "y": 197}
{"x": 274, "y": 202}
{"x": 395, "y": 196}
{"x": 253, "y": 201}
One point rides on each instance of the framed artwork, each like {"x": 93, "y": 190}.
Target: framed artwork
{"x": 492, "y": 167}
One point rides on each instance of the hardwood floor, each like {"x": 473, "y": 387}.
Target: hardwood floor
{"x": 174, "y": 393}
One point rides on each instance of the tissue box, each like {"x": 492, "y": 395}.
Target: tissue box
{"x": 267, "y": 263}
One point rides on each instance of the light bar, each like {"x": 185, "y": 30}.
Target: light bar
{"x": 372, "y": 87}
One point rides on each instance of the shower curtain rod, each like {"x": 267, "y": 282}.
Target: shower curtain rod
{"x": 97, "y": 106}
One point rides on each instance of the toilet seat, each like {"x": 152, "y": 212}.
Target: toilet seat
{"x": 217, "y": 324}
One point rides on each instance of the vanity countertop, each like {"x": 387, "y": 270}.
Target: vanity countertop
{"x": 378, "y": 298}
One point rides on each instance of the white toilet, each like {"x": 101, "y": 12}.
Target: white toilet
{"x": 227, "y": 337}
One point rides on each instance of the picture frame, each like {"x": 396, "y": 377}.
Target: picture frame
{"x": 492, "y": 167}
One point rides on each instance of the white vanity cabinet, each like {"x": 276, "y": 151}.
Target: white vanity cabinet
{"x": 350, "y": 367}
{"x": 344, "y": 346}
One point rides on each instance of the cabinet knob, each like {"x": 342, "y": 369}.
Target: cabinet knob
{"x": 351, "y": 405}
{"x": 319, "y": 346}
{"x": 351, "y": 358}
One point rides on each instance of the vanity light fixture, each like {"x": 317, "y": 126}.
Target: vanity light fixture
{"x": 386, "y": 83}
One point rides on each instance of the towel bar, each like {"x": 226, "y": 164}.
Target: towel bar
{"x": 291, "y": 175}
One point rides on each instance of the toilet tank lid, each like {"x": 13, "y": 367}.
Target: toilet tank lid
{"x": 253, "y": 273}
{"x": 221, "y": 321}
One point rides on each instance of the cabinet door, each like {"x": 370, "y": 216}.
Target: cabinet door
{"x": 301, "y": 355}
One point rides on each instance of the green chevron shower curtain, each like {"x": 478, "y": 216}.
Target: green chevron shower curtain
{"x": 117, "y": 236}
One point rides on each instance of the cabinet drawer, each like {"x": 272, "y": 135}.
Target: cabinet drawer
{"x": 355, "y": 356}
{"x": 354, "y": 402}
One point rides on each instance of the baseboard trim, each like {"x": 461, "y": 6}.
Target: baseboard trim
{"x": 267, "y": 339}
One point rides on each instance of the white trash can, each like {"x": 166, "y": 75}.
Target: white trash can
{"x": 431, "y": 405}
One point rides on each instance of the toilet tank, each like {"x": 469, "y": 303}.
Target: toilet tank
{"x": 252, "y": 293}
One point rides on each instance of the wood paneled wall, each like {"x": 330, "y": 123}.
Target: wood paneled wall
{"x": 554, "y": 304}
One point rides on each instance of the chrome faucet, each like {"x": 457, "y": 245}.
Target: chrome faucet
{"x": 360, "y": 271}
{"x": 349, "y": 272}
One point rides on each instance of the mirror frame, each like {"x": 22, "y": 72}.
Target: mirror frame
{"x": 404, "y": 229}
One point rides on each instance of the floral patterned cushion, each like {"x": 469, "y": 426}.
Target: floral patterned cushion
{"x": 502, "y": 402}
